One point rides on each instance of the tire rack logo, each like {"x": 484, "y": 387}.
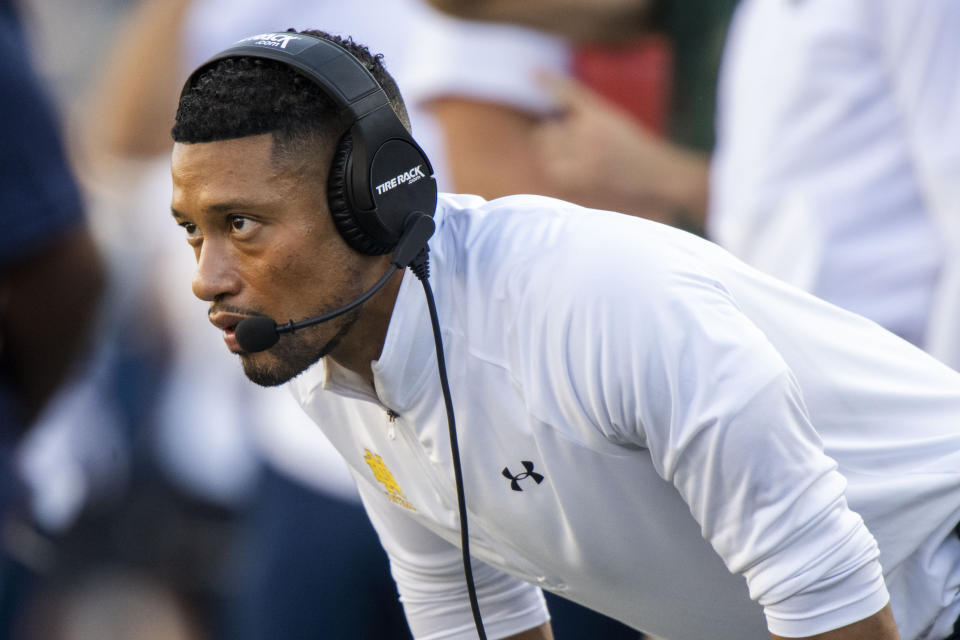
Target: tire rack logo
{"x": 407, "y": 177}
{"x": 278, "y": 40}
{"x": 385, "y": 477}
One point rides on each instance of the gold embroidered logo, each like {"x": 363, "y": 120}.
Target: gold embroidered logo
{"x": 385, "y": 477}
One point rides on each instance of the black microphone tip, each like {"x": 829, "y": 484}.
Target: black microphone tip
{"x": 257, "y": 333}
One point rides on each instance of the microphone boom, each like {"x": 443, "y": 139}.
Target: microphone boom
{"x": 259, "y": 333}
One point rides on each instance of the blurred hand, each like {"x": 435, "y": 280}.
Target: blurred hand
{"x": 595, "y": 154}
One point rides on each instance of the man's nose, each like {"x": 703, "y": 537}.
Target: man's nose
{"x": 216, "y": 274}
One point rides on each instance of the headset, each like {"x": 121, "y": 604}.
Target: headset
{"x": 381, "y": 194}
{"x": 379, "y": 177}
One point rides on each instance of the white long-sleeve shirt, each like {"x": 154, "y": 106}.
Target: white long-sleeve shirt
{"x": 653, "y": 429}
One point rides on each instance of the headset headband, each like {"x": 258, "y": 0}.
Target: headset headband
{"x": 348, "y": 83}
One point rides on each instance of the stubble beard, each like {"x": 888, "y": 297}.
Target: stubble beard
{"x": 293, "y": 354}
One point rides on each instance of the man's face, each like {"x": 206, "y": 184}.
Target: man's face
{"x": 265, "y": 244}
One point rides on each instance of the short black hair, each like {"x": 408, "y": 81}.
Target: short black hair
{"x": 247, "y": 96}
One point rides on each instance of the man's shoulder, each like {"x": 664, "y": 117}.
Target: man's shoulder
{"x": 536, "y": 256}
{"x": 540, "y": 226}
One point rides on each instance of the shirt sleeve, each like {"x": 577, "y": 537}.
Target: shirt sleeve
{"x": 488, "y": 62}
{"x": 429, "y": 575}
{"x": 661, "y": 357}
{"x": 920, "y": 44}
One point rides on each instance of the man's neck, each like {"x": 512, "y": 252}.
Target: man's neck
{"x": 364, "y": 343}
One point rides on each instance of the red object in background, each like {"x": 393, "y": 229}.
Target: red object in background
{"x": 636, "y": 77}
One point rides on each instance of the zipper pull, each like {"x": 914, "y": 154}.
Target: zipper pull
{"x": 392, "y": 422}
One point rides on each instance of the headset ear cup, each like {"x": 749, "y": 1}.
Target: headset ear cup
{"x": 338, "y": 200}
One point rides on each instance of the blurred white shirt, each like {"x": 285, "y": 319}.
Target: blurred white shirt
{"x": 837, "y": 166}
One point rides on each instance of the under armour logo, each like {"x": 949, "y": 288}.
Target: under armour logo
{"x": 515, "y": 479}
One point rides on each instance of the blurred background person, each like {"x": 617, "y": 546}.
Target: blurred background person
{"x": 51, "y": 280}
{"x": 838, "y": 165}
{"x": 233, "y": 507}
{"x": 82, "y": 456}
{"x": 621, "y": 109}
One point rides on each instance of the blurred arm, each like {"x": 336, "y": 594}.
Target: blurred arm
{"x": 593, "y": 154}
{"x": 489, "y": 148}
{"x": 50, "y": 272}
{"x": 131, "y": 110}
{"x": 50, "y": 302}
{"x": 600, "y": 156}
{"x": 590, "y": 20}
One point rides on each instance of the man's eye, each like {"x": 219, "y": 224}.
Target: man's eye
{"x": 191, "y": 229}
{"x": 241, "y": 224}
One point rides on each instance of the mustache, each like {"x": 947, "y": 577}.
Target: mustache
{"x": 228, "y": 308}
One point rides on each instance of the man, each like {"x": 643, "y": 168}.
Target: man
{"x": 642, "y": 417}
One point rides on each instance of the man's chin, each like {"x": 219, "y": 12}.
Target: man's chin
{"x": 269, "y": 373}
{"x": 292, "y": 355}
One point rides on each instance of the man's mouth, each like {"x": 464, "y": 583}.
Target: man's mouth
{"x": 227, "y": 323}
